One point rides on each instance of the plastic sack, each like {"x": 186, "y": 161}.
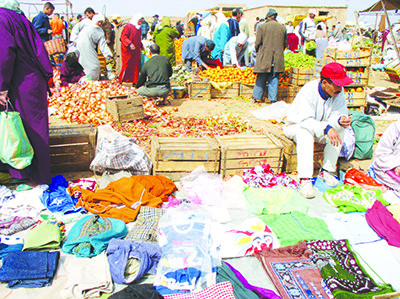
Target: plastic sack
{"x": 349, "y": 143}
{"x": 277, "y": 111}
{"x": 15, "y": 148}
{"x": 356, "y": 177}
{"x": 122, "y": 153}
{"x": 188, "y": 253}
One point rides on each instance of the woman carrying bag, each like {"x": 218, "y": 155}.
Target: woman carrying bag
{"x": 25, "y": 69}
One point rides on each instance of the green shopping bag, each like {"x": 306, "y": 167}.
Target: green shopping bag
{"x": 15, "y": 148}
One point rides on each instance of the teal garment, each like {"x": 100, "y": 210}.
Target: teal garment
{"x": 91, "y": 235}
{"x": 276, "y": 200}
{"x": 224, "y": 273}
{"x": 295, "y": 227}
{"x": 221, "y": 37}
{"x": 353, "y": 198}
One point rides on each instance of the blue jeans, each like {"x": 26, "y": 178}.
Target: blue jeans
{"x": 261, "y": 81}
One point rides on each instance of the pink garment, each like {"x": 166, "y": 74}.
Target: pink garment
{"x": 393, "y": 175}
{"x": 383, "y": 223}
{"x": 264, "y": 177}
{"x": 222, "y": 290}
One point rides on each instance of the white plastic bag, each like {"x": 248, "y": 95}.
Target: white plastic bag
{"x": 276, "y": 111}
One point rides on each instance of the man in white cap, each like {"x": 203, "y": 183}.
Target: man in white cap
{"x": 319, "y": 114}
{"x": 308, "y": 31}
{"x": 235, "y": 50}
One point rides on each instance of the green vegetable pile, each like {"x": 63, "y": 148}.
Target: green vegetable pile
{"x": 299, "y": 60}
{"x": 181, "y": 75}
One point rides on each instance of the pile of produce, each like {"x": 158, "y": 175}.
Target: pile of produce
{"x": 175, "y": 126}
{"x": 299, "y": 60}
{"x": 230, "y": 74}
{"x": 178, "y": 48}
{"x": 180, "y": 75}
{"x": 367, "y": 43}
{"x": 86, "y": 103}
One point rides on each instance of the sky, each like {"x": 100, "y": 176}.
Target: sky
{"x": 181, "y": 7}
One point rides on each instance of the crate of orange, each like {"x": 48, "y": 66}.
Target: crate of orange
{"x": 355, "y": 96}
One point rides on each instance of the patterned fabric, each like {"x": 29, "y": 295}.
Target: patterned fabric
{"x": 222, "y": 290}
{"x": 293, "y": 273}
{"x": 15, "y": 224}
{"x": 342, "y": 272}
{"x": 353, "y": 199}
{"x": 264, "y": 176}
{"x": 145, "y": 226}
{"x": 5, "y": 194}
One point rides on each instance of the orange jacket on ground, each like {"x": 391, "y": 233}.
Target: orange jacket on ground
{"x": 122, "y": 199}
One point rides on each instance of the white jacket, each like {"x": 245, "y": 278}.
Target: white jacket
{"x": 313, "y": 113}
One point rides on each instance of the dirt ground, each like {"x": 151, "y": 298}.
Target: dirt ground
{"x": 243, "y": 108}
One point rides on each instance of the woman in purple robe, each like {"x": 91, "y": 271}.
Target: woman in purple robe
{"x": 25, "y": 69}
{"x": 71, "y": 70}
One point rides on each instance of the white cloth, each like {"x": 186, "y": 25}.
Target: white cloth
{"x": 78, "y": 28}
{"x": 98, "y": 18}
{"x": 308, "y": 117}
{"x": 89, "y": 38}
{"x": 207, "y": 27}
{"x": 289, "y": 29}
{"x": 88, "y": 277}
{"x": 221, "y": 19}
{"x": 387, "y": 156}
{"x": 309, "y": 29}
{"x": 233, "y": 53}
{"x": 244, "y": 26}
{"x": 135, "y": 20}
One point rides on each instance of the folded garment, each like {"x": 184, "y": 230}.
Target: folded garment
{"x": 89, "y": 277}
{"x": 222, "y": 290}
{"x": 130, "y": 260}
{"x": 91, "y": 235}
{"x": 8, "y": 244}
{"x": 29, "y": 269}
{"x": 46, "y": 236}
{"x": 15, "y": 224}
{"x": 145, "y": 291}
{"x": 5, "y": 194}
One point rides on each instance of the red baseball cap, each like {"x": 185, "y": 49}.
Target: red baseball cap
{"x": 337, "y": 73}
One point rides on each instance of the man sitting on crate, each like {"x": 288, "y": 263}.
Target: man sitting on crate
{"x": 153, "y": 80}
{"x": 319, "y": 114}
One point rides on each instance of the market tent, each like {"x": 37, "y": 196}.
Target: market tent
{"x": 389, "y": 5}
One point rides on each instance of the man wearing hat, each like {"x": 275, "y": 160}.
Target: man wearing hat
{"x": 196, "y": 48}
{"x": 319, "y": 114}
{"x": 271, "y": 41}
{"x": 155, "y": 23}
{"x": 308, "y": 31}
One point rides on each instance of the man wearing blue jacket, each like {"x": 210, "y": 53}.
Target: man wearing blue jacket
{"x": 196, "y": 48}
{"x": 42, "y": 23}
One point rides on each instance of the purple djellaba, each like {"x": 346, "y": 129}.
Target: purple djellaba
{"x": 25, "y": 69}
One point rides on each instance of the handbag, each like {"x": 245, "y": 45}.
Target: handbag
{"x": 15, "y": 148}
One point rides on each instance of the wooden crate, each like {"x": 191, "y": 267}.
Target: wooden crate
{"x": 291, "y": 93}
{"x": 290, "y": 154}
{"x": 355, "y": 62}
{"x": 300, "y": 75}
{"x": 72, "y": 147}
{"x": 175, "y": 157}
{"x": 356, "y": 98}
{"x": 246, "y": 90}
{"x": 124, "y": 108}
{"x": 336, "y": 54}
{"x": 244, "y": 151}
{"x": 200, "y": 90}
{"x": 229, "y": 92}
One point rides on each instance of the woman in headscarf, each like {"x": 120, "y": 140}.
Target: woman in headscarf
{"x": 25, "y": 69}
{"x": 131, "y": 45}
{"x": 71, "y": 71}
{"x": 91, "y": 37}
{"x": 207, "y": 27}
{"x": 164, "y": 36}
{"x": 221, "y": 37}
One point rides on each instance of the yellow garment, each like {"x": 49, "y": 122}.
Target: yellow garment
{"x": 395, "y": 210}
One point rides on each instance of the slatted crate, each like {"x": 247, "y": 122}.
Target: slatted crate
{"x": 291, "y": 93}
{"x": 301, "y": 75}
{"x": 72, "y": 147}
{"x": 175, "y": 157}
{"x": 242, "y": 152}
{"x": 355, "y": 98}
{"x": 289, "y": 164}
{"x": 200, "y": 90}
{"x": 231, "y": 91}
{"x": 246, "y": 90}
{"x": 125, "y": 108}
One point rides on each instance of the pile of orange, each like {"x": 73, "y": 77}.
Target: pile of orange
{"x": 230, "y": 74}
{"x": 178, "y": 48}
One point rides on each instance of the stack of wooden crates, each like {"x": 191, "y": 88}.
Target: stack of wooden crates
{"x": 299, "y": 76}
{"x": 357, "y": 64}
